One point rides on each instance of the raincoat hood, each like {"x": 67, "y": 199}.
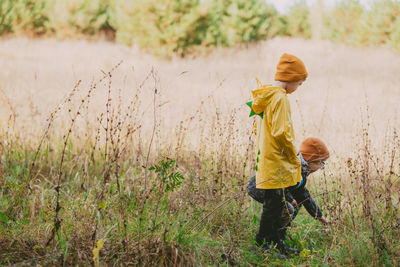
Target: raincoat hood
{"x": 263, "y": 97}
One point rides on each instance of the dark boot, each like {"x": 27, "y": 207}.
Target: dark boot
{"x": 266, "y": 245}
{"x": 283, "y": 248}
{"x": 263, "y": 243}
{"x": 281, "y": 243}
{"x": 280, "y": 256}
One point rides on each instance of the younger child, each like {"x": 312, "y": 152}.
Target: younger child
{"x": 313, "y": 154}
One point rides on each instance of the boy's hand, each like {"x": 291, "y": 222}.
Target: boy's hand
{"x": 294, "y": 203}
{"x": 324, "y": 220}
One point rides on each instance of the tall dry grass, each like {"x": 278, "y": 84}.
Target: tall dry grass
{"x": 83, "y": 134}
{"x": 37, "y": 74}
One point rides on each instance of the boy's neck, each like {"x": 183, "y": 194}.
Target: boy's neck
{"x": 280, "y": 84}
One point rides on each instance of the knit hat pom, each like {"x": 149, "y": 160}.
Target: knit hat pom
{"x": 313, "y": 149}
{"x": 290, "y": 69}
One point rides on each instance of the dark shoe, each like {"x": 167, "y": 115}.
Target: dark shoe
{"x": 280, "y": 256}
{"x": 284, "y": 249}
{"x": 265, "y": 245}
{"x": 292, "y": 250}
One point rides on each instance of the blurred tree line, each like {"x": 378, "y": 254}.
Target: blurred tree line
{"x": 165, "y": 27}
{"x": 353, "y": 24}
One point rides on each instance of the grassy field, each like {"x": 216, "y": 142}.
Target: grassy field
{"x": 110, "y": 156}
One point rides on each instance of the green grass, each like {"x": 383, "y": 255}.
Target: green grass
{"x": 161, "y": 222}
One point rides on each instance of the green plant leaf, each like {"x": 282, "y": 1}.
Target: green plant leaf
{"x": 3, "y": 217}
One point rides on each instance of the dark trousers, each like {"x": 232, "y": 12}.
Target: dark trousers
{"x": 275, "y": 218}
{"x": 287, "y": 216}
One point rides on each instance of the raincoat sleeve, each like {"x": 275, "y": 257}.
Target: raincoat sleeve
{"x": 281, "y": 129}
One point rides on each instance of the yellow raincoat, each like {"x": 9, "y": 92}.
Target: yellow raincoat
{"x": 277, "y": 163}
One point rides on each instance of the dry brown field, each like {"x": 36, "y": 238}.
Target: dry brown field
{"x": 343, "y": 84}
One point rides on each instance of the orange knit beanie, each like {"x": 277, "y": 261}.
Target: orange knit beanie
{"x": 314, "y": 149}
{"x": 290, "y": 69}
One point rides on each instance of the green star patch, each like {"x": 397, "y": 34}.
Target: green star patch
{"x": 252, "y": 113}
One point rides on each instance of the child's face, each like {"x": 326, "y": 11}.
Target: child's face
{"x": 315, "y": 165}
{"x": 292, "y": 86}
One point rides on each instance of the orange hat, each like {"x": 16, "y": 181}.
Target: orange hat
{"x": 290, "y": 69}
{"x": 314, "y": 149}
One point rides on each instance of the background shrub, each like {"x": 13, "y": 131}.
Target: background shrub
{"x": 297, "y": 22}
{"x": 351, "y": 23}
{"x": 343, "y": 21}
{"x": 167, "y": 27}
{"x": 26, "y": 16}
{"x": 180, "y": 26}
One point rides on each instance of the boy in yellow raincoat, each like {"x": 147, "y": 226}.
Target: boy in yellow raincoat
{"x": 278, "y": 165}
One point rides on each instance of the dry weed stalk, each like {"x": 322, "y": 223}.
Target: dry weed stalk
{"x": 66, "y": 137}
{"x": 10, "y": 133}
{"x": 146, "y": 178}
{"x": 50, "y": 121}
